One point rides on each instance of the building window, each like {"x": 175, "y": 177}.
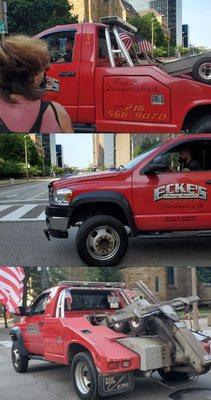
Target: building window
{"x": 157, "y": 284}
{"x": 171, "y": 275}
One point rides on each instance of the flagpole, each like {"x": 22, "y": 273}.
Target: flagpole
{"x": 5, "y": 317}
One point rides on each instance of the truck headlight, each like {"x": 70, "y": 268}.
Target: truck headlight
{"x": 62, "y": 197}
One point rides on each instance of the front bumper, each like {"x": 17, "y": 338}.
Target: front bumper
{"x": 57, "y": 220}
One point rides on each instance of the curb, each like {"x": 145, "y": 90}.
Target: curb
{"x": 20, "y": 183}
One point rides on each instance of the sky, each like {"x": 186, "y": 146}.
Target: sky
{"x": 197, "y": 13}
{"x": 77, "y": 148}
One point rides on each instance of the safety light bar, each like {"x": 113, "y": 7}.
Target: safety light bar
{"x": 119, "y": 285}
{"x": 117, "y": 21}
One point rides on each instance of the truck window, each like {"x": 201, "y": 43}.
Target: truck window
{"x": 61, "y": 46}
{"x": 95, "y": 300}
{"x": 199, "y": 150}
{"x": 39, "y": 306}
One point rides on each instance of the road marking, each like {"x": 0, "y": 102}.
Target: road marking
{"x": 18, "y": 214}
{"x": 5, "y": 343}
{"x": 4, "y": 207}
{"x": 41, "y": 217}
{"x": 37, "y": 195}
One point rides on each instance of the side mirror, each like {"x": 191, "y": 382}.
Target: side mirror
{"x": 22, "y": 311}
{"x": 158, "y": 164}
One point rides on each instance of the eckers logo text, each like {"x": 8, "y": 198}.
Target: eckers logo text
{"x": 180, "y": 191}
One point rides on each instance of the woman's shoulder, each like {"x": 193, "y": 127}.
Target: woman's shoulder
{"x": 63, "y": 117}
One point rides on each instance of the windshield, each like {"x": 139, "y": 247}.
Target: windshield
{"x": 78, "y": 300}
{"x": 141, "y": 157}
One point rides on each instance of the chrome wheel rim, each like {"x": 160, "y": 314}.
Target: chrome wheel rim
{"x": 135, "y": 322}
{"x": 103, "y": 243}
{"x": 82, "y": 377}
{"x": 205, "y": 71}
{"x": 15, "y": 357}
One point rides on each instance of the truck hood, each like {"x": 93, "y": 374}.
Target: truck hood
{"x": 85, "y": 177}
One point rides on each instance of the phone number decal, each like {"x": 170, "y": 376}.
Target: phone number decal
{"x": 136, "y": 112}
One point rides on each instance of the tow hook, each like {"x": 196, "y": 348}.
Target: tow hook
{"x": 46, "y": 232}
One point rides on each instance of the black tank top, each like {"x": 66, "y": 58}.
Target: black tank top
{"x": 38, "y": 123}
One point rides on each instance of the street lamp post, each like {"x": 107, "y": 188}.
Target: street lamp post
{"x": 26, "y": 157}
{"x": 152, "y": 29}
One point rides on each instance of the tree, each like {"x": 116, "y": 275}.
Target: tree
{"x": 30, "y": 17}
{"x": 12, "y": 147}
{"x": 145, "y": 145}
{"x": 108, "y": 274}
{"x": 144, "y": 26}
{"x": 32, "y": 281}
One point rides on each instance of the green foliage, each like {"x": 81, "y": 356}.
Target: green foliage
{"x": 145, "y": 145}
{"x": 108, "y": 274}
{"x": 12, "y": 147}
{"x": 33, "y": 281}
{"x": 144, "y": 26}
{"x": 31, "y": 17}
{"x": 12, "y": 169}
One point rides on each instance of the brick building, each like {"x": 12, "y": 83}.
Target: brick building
{"x": 92, "y": 10}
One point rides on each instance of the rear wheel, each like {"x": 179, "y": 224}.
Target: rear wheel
{"x": 101, "y": 241}
{"x": 20, "y": 362}
{"x": 84, "y": 376}
{"x": 173, "y": 375}
{"x": 201, "y": 71}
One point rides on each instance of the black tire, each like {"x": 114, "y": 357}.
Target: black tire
{"x": 21, "y": 363}
{"x": 90, "y": 226}
{"x": 173, "y": 376}
{"x": 202, "y": 125}
{"x": 197, "y": 74}
{"x": 121, "y": 327}
{"x": 86, "y": 359}
{"x": 137, "y": 325}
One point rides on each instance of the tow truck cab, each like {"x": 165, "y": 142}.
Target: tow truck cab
{"x": 152, "y": 195}
{"x": 106, "y": 88}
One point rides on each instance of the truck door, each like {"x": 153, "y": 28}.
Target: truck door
{"x": 63, "y": 74}
{"x": 174, "y": 200}
{"x": 34, "y": 334}
{"x": 129, "y": 96}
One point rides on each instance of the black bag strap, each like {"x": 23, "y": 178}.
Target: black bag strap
{"x": 3, "y": 127}
{"x": 38, "y": 122}
{"x": 55, "y": 113}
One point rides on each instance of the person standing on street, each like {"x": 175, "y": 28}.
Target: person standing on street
{"x": 23, "y": 63}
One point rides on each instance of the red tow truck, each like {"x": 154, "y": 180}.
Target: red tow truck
{"x": 106, "y": 88}
{"x": 151, "y": 196}
{"x": 106, "y": 338}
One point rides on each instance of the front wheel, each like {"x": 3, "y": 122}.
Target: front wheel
{"x": 101, "y": 241}
{"x": 84, "y": 376}
{"x": 20, "y": 362}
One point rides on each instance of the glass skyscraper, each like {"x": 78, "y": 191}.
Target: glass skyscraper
{"x": 171, "y": 9}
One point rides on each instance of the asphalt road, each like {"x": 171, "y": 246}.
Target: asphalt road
{"x": 45, "y": 381}
{"x": 22, "y": 241}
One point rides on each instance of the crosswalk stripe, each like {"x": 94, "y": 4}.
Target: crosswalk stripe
{"x": 41, "y": 217}
{"x": 5, "y": 343}
{"x": 17, "y": 214}
{"x": 4, "y": 207}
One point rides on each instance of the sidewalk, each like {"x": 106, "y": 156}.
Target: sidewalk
{"x": 6, "y": 182}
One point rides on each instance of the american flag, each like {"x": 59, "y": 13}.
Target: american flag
{"x": 130, "y": 293}
{"x": 126, "y": 39}
{"x": 11, "y": 287}
{"x": 144, "y": 45}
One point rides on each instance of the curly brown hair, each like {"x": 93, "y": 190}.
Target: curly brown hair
{"x": 21, "y": 59}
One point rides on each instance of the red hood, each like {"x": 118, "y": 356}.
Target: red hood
{"x": 85, "y": 177}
